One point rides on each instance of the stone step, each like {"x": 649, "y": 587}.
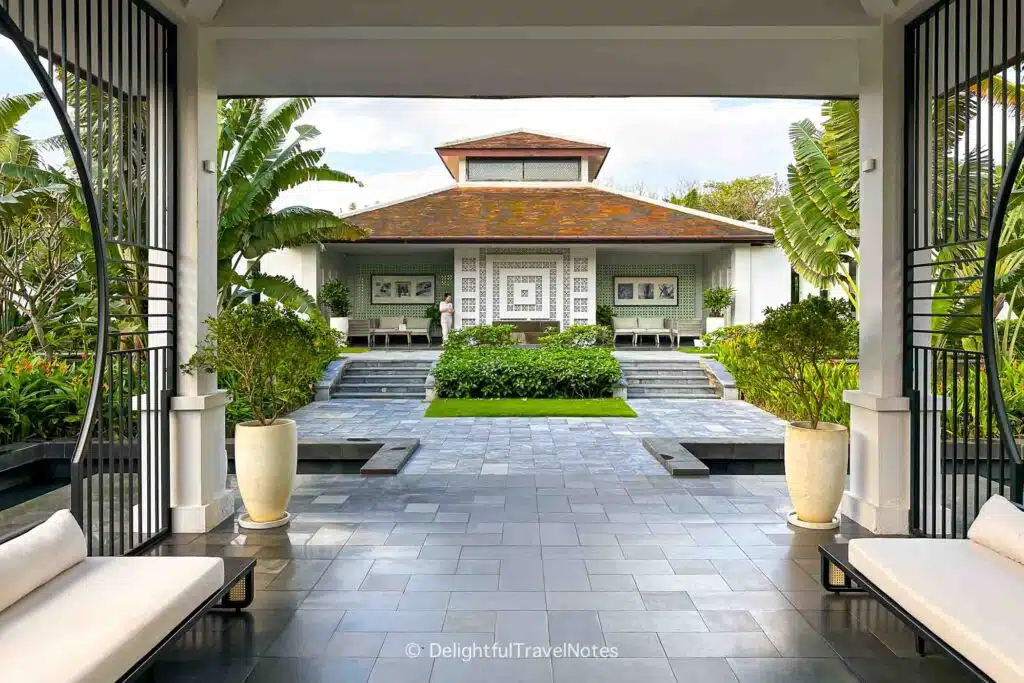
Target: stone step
{"x": 389, "y": 365}
{"x": 659, "y": 366}
{"x": 382, "y": 383}
{"x": 383, "y": 379}
{"x": 359, "y": 372}
{"x": 382, "y": 392}
{"x": 671, "y": 392}
{"x": 363, "y": 395}
{"x": 655, "y": 382}
{"x": 663, "y": 373}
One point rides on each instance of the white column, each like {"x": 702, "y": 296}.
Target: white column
{"x": 879, "y": 493}
{"x": 199, "y": 496}
{"x": 741, "y": 283}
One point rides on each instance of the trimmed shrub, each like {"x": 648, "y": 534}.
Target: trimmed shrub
{"x": 550, "y": 372}
{"x": 481, "y": 336}
{"x": 580, "y": 337}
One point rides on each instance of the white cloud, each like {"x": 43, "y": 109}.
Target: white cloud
{"x": 377, "y": 189}
{"x": 657, "y": 141}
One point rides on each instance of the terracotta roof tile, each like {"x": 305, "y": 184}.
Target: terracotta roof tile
{"x": 466, "y": 213}
{"x": 521, "y": 140}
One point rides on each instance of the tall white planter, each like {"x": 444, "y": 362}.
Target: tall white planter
{"x": 816, "y": 461}
{"x": 266, "y": 458}
{"x": 712, "y": 324}
{"x": 340, "y": 324}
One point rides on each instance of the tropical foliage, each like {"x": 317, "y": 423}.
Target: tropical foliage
{"x": 41, "y": 399}
{"x": 334, "y": 295}
{"x": 292, "y": 353}
{"x": 819, "y": 220}
{"x": 717, "y": 299}
{"x": 753, "y": 199}
{"x": 261, "y": 154}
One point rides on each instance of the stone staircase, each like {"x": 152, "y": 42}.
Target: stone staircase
{"x": 383, "y": 379}
{"x": 670, "y": 377}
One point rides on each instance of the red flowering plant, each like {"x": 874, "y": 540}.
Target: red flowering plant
{"x": 41, "y": 399}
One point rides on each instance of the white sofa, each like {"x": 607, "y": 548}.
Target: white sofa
{"x": 968, "y": 593}
{"x": 68, "y": 618}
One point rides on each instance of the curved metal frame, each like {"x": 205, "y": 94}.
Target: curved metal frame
{"x": 17, "y": 36}
{"x": 988, "y": 282}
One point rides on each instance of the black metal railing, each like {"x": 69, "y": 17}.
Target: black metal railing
{"x": 108, "y": 70}
{"x": 963, "y": 76}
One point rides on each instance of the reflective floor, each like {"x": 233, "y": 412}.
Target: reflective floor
{"x": 576, "y": 573}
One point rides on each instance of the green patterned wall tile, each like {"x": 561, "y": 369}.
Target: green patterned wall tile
{"x": 359, "y": 269}
{"x": 686, "y": 272}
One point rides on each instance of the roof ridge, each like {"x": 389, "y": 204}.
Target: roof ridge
{"x": 527, "y": 131}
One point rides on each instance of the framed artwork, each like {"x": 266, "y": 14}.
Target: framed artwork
{"x": 646, "y": 291}
{"x": 401, "y": 289}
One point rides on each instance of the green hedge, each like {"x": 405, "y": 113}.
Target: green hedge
{"x": 580, "y": 337}
{"x": 480, "y": 336}
{"x": 512, "y": 372}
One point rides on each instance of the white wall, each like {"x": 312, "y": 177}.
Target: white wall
{"x": 770, "y": 275}
{"x": 301, "y": 263}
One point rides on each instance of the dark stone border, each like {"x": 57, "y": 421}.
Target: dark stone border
{"x": 718, "y": 456}
{"x": 676, "y": 460}
{"x": 379, "y": 456}
{"x": 330, "y": 379}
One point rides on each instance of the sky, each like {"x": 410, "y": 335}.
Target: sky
{"x": 388, "y": 144}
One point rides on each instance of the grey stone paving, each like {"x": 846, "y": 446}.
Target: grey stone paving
{"x": 533, "y": 534}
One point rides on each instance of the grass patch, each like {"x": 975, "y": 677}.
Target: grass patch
{"x": 697, "y": 350}
{"x": 529, "y": 407}
{"x": 353, "y": 349}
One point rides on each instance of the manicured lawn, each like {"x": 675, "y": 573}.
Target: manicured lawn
{"x": 354, "y": 349}
{"x": 529, "y": 407}
{"x": 701, "y": 350}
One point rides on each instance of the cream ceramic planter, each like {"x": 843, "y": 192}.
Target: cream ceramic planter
{"x": 712, "y": 324}
{"x": 816, "y": 462}
{"x": 340, "y": 324}
{"x": 265, "y": 461}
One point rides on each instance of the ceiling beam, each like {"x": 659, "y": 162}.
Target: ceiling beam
{"x": 201, "y": 10}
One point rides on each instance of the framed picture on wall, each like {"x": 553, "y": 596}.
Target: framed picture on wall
{"x": 402, "y": 289}
{"x": 647, "y": 291}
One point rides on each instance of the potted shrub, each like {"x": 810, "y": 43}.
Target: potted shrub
{"x": 334, "y": 295}
{"x": 716, "y": 300}
{"x": 268, "y": 354}
{"x": 796, "y": 343}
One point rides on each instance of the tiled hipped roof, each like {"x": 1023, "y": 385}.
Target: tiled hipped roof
{"x": 521, "y": 140}
{"x": 466, "y": 213}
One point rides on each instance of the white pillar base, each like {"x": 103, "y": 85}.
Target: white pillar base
{"x": 200, "y": 499}
{"x": 878, "y": 497}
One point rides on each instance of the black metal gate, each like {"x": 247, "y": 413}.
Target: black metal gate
{"x": 961, "y": 347}
{"x": 107, "y": 68}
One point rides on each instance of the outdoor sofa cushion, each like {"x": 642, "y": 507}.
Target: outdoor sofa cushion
{"x": 32, "y": 559}
{"x": 652, "y": 324}
{"x": 967, "y": 595}
{"x": 417, "y": 324}
{"x": 623, "y": 324}
{"x": 96, "y": 620}
{"x": 999, "y": 527}
{"x": 391, "y": 323}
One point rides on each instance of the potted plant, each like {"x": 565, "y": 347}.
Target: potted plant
{"x": 268, "y": 354}
{"x": 716, "y": 300}
{"x": 796, "y": 343}
{"x": 334, "y": 295}
{"x": 433, "y": 314}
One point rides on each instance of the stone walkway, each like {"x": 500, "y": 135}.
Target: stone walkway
{"x": 535, "y": 534}
{"x": 532, "y": 445}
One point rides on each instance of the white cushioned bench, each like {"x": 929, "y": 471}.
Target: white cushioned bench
{"x": 964, "y": 595}
{"x": 68, "y": 618}
{"x": 969, "y": 596}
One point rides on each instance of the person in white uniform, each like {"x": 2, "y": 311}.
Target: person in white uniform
{"x": 447, "y": 316}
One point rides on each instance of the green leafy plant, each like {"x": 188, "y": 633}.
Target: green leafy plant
{"x": 433, "y": 314}
{"x": 270, "y": 357}
{"x": 580, "y": 337}
{"x": 740, "y": 350}
{"x": 604, "y": 315}
{"x": 799, "y": 341}
{"x": 549, "y": 372}
{"x": 717, "y": 299}
{"x": 479, "y": 336}
{"x": 334, "y": 295}
{"x": 41, "y": 399}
